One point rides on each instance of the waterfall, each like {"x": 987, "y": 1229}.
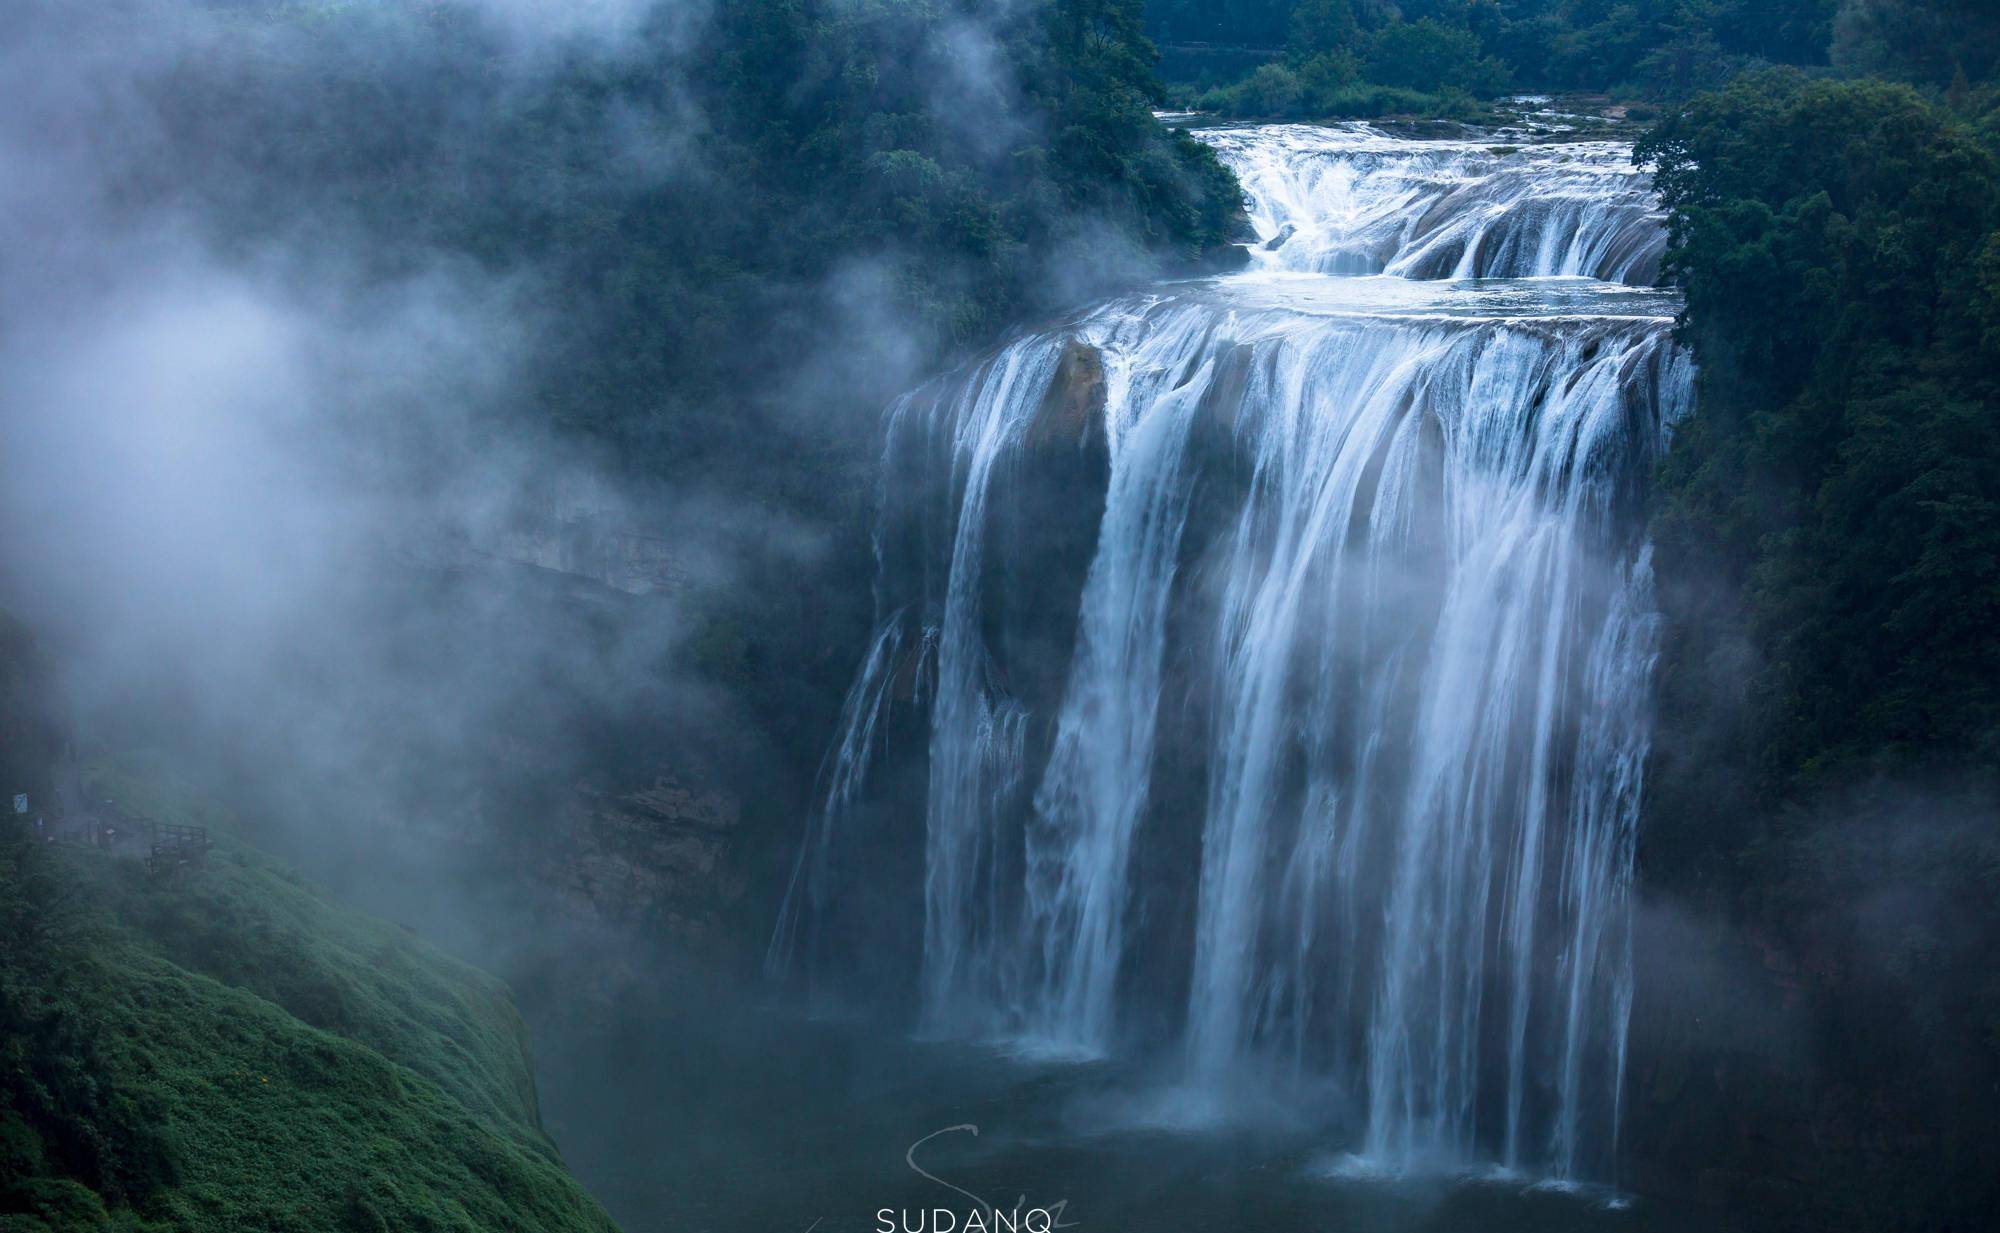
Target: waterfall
{"x": 1353, "y": 201}
{"x": 1288, "y": 639}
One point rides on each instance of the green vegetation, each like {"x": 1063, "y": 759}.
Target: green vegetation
{"x": 226, "y": 1050}
{"x": 735, "y": 225}
{"x": 720, "y": 242}
{"x": 1360, "y": 58}
{"x": 1348, "y": 59}
{"x": 1827, "y": 765}
{"x": 1838, "y": 249}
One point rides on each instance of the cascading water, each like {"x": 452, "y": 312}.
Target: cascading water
{"x": 1285, "y": 641}
{"x": 1353, "y": 201}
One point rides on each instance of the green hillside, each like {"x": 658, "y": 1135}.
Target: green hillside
{"x": 225, "y": 1049}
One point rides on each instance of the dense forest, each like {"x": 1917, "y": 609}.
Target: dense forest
{"x": 1827, "y": 758}
{"x": 1324, "y": 58}
{"x": 713, "y": 197}
{"x": 1838, "y": 245}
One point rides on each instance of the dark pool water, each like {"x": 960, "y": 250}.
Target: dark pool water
{"x": 771, "y": 1123}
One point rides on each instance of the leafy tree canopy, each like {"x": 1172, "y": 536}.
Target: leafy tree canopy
{"x": 1837, "y": 244}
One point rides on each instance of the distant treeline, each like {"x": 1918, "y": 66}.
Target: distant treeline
{"x": 1371, "y": 57}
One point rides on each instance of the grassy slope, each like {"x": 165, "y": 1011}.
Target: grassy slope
{"x": 228, "y": 1050}
{"x": 340, "y": 971}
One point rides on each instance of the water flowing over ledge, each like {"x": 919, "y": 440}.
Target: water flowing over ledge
{"x": 1352, "y": 200}
{"x": 1264, "y": 663}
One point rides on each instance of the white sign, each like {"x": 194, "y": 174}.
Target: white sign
{"x": 20, "y": 802}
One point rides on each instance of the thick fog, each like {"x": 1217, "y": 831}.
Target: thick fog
{"x": 279, "y": 508}
{"x": 287, "y": 501}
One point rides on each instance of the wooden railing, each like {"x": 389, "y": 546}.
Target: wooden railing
{"x": 176, "y": 847}
{"x": 169, "y": 847}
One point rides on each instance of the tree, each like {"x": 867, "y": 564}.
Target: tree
{"x": 1836, "y": 242}
{"x": 1917, "y": 40}
{"x": 1320, "y": 26}
{"x": 1430, "y": 56}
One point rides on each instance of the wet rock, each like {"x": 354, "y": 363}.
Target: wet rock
{"x": 1072, "y": 412}
{"x": 663, "y": 853}
{"x": 1048, "y": 503}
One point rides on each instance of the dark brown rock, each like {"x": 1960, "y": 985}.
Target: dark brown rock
{"x": 1072, "y": 412}
{"x": 662, "y": 853}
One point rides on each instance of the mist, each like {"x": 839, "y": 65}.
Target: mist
{"x": 403, "y": 445}
{"x": 290, "y": 495}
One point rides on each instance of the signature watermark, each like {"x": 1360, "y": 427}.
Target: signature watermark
{"x": 977, "y": 1215}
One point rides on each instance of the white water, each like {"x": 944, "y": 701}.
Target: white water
{"x": 1409, "y": 640}
{"x": 1354, "y": 201}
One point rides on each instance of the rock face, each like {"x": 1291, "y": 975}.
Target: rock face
{"x": 1072, "y": 412}
{"x": 1718, "y": 1069}
{"x": 1048, "y": 498}
{"x": 659, "y": 857}
{"x": 646, "y": 836}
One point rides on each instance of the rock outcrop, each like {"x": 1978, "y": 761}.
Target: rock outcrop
{"x": 657, "y": 857}
{"x": 1072, "y": 412}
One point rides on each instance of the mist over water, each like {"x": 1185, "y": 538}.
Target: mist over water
{"x": 1322, "y": 784}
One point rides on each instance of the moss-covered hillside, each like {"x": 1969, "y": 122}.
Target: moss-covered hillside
{"x": 225, "y": 1049}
